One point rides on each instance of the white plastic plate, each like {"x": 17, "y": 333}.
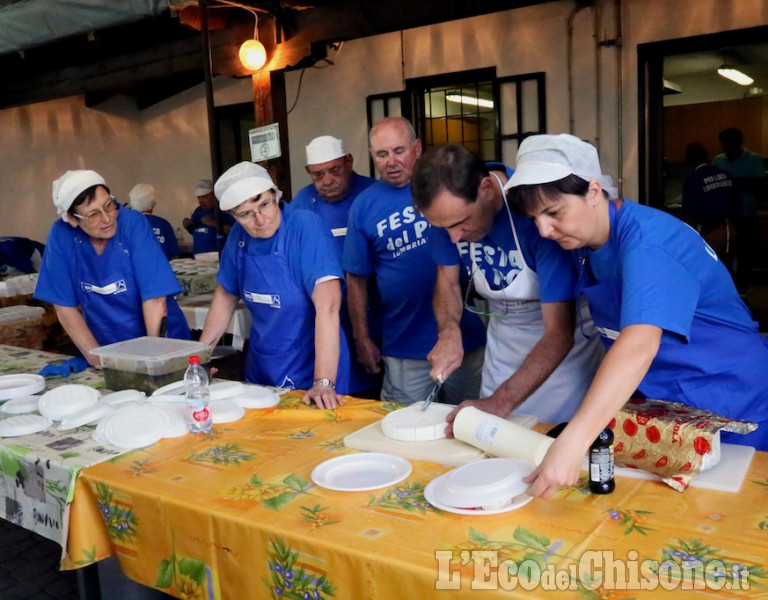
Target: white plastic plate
{"x": 135, "y": 426}
{"x": 226, "y": 411}
{"x": 514, "y": 504}
{"x": 483, "y": 483}
{"x": 23, "y": 425}
{"x": 225, "y": 389}
{"x": 90, "y": 414}
{"x": 22, "y": 384}
{"x": 170, "y": 389}
{"x": 66, "y": 400}
{"x": 115, "y": 398}
{"x": 20, "y": 405}
{"x": 257, "y": 396}
{"x": 361, "y": 472}
{"x": 177, "y": 424}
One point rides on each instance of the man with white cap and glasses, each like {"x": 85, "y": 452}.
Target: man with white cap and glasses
{"x": 334, "y": 187}
{"x": 107, "y": 262}
{"x": 541, "y": 353}
{"x": 387, "y": 237}
{"x": 283, "y": 264}
{"x": 142, "y": 198}
{"x": 204, "y": 222}
{"x": 666, "y": 308}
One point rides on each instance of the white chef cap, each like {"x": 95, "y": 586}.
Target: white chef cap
{"x": 324, "y": 149}
{"x": 240, "y": 182}
{"x": 203, "y": 187}
{"x": 69, "y": 186}
{"x": 142, "y": 197}
{"x": 548, "y": 158}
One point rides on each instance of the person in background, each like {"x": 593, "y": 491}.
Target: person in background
{"x": 103, "y": 270}
{"x": 666, "y": 308}
{"x": 142, "y": 198}
{"x": 541, "y": 354}
{"x": 711, "y": 203}
{"x": 747, "y": 169}
{"x": 19, "y": 255}
{"x": 283, "y": 264}
{"x": 204, "y": 224}
{"x": 334, "y": 187}
{"x": 387, "y": 237}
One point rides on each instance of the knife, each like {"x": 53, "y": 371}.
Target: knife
{"x": 433, "y": 393}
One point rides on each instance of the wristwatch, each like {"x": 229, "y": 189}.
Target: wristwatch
{"x": 325, "y": 382}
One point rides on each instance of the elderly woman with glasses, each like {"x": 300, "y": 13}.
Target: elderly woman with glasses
{"x": 666, "y": 308}
{"x": 104, "y": 271}
{"x": 283, "y": 263}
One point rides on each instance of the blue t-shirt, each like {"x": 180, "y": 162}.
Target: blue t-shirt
{"x": 16, "y": 252}
{"x": 309, "y": 249}
{"x": 204, "y": 237}
{"x": 333, "y": 214}
{"x": 655, "y": 270}
{"x": 388, "y": 236}
{"x": 165, "y": 235}
{"x": 748, "y": 165}
{"x": 111, "y": 286}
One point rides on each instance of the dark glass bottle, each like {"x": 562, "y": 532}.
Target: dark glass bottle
{"x": 601, "y": 463}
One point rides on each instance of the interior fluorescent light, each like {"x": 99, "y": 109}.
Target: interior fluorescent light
{"x": 469, "y": 100}
{"x": 735, "y": 75}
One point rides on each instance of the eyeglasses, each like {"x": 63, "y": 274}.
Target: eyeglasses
{"x": 94, "y": 216}
{"x": 259, "y": 211}
{"x": 471, "y": 295}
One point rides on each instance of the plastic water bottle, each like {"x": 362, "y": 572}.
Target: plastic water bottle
{"x": 601, "y": 463}
{"x": 198, "y": 397}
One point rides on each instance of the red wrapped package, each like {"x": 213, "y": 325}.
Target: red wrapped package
{"x": 669, "y": 439}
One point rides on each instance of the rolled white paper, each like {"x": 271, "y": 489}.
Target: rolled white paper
{"x": 500, "y": 437}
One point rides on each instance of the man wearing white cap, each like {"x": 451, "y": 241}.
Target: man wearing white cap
{"x": 541, "y": 353}
{"x": 107, "y": 262}
{"x": 334, "y": 187}
{"x": 387, "y": 238}
{"x": 666, "y": 308}
{"x": 283, "y": 264}
{"x": 204, "y": 223}
{"x": 142, "y": 198}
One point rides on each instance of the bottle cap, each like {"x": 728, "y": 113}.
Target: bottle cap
{"x": 194, "y": 360}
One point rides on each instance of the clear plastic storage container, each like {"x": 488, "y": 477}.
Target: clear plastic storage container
{"x": 22, "y": 326}
{"x": 148, "y": 363}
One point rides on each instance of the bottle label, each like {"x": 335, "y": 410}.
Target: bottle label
{"x": 486, "y": 431}
{"x": 601, "y": 464}
{"x": 201, "y": 416}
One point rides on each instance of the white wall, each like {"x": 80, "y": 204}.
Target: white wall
{"x": 167, "y": 144}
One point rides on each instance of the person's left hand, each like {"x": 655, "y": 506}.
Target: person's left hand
{"x": 324, "y": 396}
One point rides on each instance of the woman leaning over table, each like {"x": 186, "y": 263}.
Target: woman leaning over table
{"x": 283, "y": 264}
{"x": 103, "y": 269}
{"x": 666, "y": 308}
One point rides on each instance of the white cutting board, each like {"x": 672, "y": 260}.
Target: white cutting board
{"x": 726, "y": 476}
{"x": 453, "y": 453}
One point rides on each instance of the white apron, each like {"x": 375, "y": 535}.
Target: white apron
{"x": 513, "y": 334}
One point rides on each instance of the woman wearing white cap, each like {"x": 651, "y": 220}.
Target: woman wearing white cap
{"x": 283, "y": 264}
{"x": 107, "y": 262}
{"x": 665, "y": 306}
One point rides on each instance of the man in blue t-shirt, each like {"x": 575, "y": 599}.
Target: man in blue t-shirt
{"x": 334, "y": 187}
{"x": 387, "y": 237}
{"x": 204, "y": 224}
{"x": 541, "y": 353}
{"x": 142, "y": 199}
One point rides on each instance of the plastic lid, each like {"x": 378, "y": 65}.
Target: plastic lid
{"x": 194, "y": 360}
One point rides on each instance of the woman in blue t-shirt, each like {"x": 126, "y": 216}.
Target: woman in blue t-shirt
{"x": 284, "y": 265}
{"x": 103, "y": 269}
{"x": 666, "y": 308}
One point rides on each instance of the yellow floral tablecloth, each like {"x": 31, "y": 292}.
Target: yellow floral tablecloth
{"x": 234, "y": 514}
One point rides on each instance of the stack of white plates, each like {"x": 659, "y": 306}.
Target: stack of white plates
{"x": 20, "y": 405}
{"x": 490, "y": 486}
{"x": 66, "y": 400}
{"x": 257, "y": 396}
{"x": 23, "y": 425}
{"x": 23, "y": 384}
{"x": 135, "y": 426}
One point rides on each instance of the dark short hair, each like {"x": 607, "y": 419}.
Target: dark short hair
{"x": 86, "y": 195}
{"x": 449, "y": 167}
{"x": 695, "y": 154}
{"x": 525, "y": 199}
{"x": 731, "y": 134}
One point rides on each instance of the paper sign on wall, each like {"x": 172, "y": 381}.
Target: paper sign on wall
{"x": 265, "y": 142}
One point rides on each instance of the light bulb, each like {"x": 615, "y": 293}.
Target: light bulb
{"x": 253, "y": 55}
